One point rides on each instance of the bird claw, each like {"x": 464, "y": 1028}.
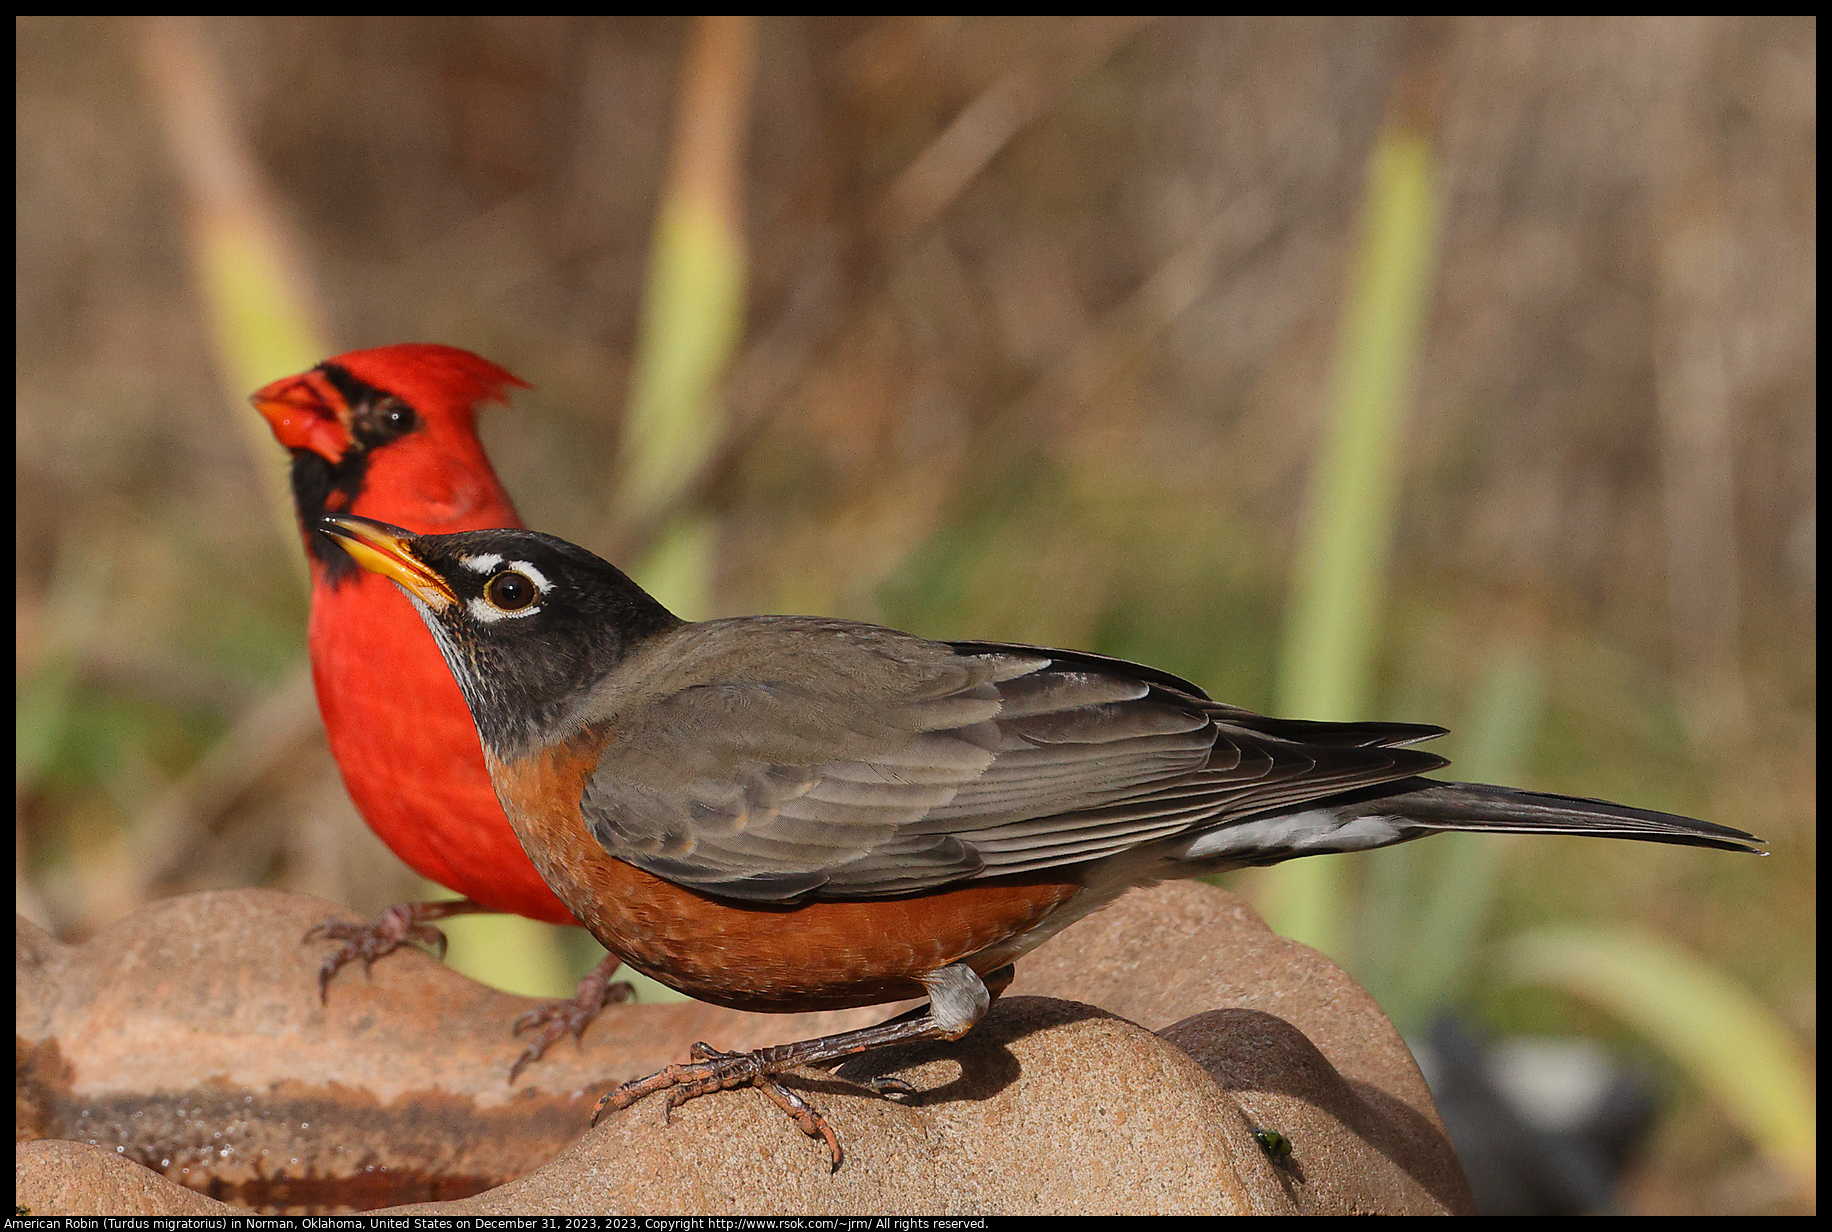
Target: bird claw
{"x": 806, "y": 1118}
{"x": 557, "y": 1018}
{"x": 394, "y": 927}
{"x": 712, "y": 1070}
{"x": 884, "y": 1086}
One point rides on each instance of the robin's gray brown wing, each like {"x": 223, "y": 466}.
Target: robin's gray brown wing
{"x": 769, "y": 758}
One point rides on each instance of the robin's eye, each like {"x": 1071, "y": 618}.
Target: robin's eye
{"x": 509, "y": 592}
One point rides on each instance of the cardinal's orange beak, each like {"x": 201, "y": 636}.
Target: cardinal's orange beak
{"x": 304, "y": 412}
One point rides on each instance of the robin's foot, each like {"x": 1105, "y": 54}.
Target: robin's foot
{"x": 958, "y": 998}
{"x": 396, "y": 926}
{"x": 712, "y": 1070}
{"x": 884, "y": 1086}
{"x": 556, "y": 1018}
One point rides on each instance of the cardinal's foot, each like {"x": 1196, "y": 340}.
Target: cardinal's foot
{"x": 556, "y": 1018}
{"x": 396, "y": 926}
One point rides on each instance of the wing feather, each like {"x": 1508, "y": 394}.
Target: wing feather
{"x": 774, "y": 758}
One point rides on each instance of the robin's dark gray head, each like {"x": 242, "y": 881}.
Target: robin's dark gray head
{"x": 528, "y": 623}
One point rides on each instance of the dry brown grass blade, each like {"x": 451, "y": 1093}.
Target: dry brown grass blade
{"x": 985, "y": 126}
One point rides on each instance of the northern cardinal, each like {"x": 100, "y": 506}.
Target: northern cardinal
{"x": 784, "y": 813}
{"x": 391, "y": 433}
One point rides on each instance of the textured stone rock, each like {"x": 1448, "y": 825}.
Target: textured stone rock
{"x": 190, "y": 1038}
{"x": 51, "y": 1177}
{"x": 1297, "y": 1044}
{"x": 1046, "y": 1107}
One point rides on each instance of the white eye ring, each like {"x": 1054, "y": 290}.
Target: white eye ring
{"x": 522, "y": 597}
{"x": 485, "y": 612}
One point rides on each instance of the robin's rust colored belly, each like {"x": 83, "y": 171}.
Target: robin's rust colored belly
{"x": 812, "y": 955}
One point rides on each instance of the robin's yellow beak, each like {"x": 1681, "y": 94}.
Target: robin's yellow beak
{"x": 384, "y": 549}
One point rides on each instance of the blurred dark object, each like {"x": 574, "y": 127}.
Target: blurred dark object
{"x": 1542, "y": 1127}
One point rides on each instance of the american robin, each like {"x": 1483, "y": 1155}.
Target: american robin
{"x": 787, "y": 813}
{"x": 391, "y": 433}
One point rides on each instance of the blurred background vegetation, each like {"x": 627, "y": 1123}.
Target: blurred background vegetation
{"x": 1032, "y": 329}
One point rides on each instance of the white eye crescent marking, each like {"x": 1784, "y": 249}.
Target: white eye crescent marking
{"x": 486, "y": 613}
{"x": 534, "y": 575}
{"x": 481, "y": 564}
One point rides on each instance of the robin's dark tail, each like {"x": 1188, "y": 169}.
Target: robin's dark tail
{"x": 1411, "y": 808}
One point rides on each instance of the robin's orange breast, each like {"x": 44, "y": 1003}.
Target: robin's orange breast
{"x": 749, "y": 956}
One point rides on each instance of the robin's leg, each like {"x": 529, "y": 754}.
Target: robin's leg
{"x": 958, "y": 998}
{"x": 556, "y": 1018}
{"x": 396, "y": 926}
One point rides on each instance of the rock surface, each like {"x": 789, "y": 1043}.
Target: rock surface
{"x": 182, "y": 1055}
